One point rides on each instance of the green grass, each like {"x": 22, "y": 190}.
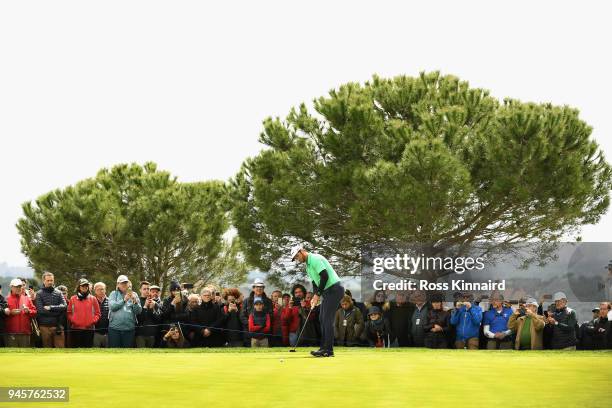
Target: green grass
{"x": 354, "y": 378}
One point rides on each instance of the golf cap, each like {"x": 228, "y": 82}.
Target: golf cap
{"x": 258, "y": 282}
{"x": 122, "y": 278}
{"x": 295, "y": 250}
{"x": 16, "y": 282}
{"x": 154, "y": 287}
{"x": 83, "y": 281}
{"x": 595, "y": 310}
{"x": 257, "y": 300}
{"x": 531, "y": 301}
{"x": 559, "y": 296}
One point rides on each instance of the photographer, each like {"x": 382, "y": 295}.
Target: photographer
{"x": 124, "y": 306}
{"x": 174, "y": 307}
{"x": 528, "y": 325}
{"x": 466, "y": 318}
{"x": 148, "y": 319}
{"x": 174, "y": 338}
{"x": 231, "y": 311}
{"x": 50, "y": 308}
{"x": 495, "y": 322}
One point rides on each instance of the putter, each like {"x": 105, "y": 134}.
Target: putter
{"x": 301, "y": 331}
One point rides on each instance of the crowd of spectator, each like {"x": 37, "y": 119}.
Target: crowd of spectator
{"x": 51, "y": 317}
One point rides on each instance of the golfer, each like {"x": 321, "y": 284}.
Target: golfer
{"x": 325, "y": 285}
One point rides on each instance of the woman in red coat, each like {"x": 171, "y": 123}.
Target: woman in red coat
{"x": 19, "y": 314}
{"x": 290, "y": 320}
{"x": 83, "y": 313}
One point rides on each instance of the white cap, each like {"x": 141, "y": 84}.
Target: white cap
{"x": 531, "y": 301}
{"x": 122, "y": 278}
{"x": 258, "y": 282}
{"x": 16, "y": 282}
{"x": 559, "y": 296}
{"x": 295, "y": 250}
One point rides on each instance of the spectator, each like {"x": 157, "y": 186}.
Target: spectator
{"x": 149, "y": 318}
{"x": 298, "y": 292}
{"x": 124, "y": 306}
{"x": 495, "y": 324}
{"x": 19, "y": 312}
{"x": 205, "y": 320}
{"x": 64, "y": 317}
{"x": 276, "y": 337}
{"x": 436, "y": 327}
{"x": 348, "y": 324}
{"x": 602, "y": 332}
{"x": 259, "y": 324}
{"x": 359, "y": 305}
{"x": 28, "y": 290}
{"x": 3, "y": 305}
{"x": 50, "y": 308}
{"x": 400, "y": 317}
{"x": 528, "y": 326}
{"x": 174, "y": 307}
{"x": 466, "y": 318}
{"x": 311, "y": 334}
{"x": 101, "y": 333}
{"x": 174, "y": 338}
{"x": 248, "y": 305}
{"x": 290, "y": 317}
{"x": 418, "y": 320}
{"x": 377, "y": 330}
{"x": 232, "y": 324}
{"x": 83, "y": 313}
{"x": 379, "y": 299}
{"x": 563, "y": 324}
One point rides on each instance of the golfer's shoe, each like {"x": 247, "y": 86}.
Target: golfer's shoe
{"x": 322, "y": 353}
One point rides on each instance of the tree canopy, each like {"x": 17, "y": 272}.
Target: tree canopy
{"x": 424, "y": 159}
{"x": 133, "y": 220}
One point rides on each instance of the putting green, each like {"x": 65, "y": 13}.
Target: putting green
{"x": 354, "y": 378}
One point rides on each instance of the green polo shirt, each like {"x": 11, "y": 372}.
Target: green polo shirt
{"x": 315, "y": 263}
{"x": 525, "y": 339}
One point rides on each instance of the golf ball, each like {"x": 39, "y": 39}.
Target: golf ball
{"x": 281, "y": 360}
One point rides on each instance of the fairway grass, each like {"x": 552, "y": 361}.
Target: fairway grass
{"x": 354, "y": 378}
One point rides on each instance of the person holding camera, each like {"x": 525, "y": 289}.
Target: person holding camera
{"x": 124, "y": 306}
{"x": 231, "y": 311}
{"x": 466, "y": 317}
{"x": 83, "y": 314}
{"x": 149, "y": 318}
{"x": 290, "y": 321}
{"x": 50, "y": 308}
{"x": 528, "y": 326}
{"x": 495, "y": 324}
{"x": 174, "y": 338}
{"x": 19, "y": 312}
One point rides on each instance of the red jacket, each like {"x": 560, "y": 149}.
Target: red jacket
{"x": 259, "y": 331}
{"x": 290, "y": 318}
{"x": 83, "y": 314}
{"x": 19, "y": 323}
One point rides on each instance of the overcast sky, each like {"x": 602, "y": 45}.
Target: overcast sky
{"x": 86, "y": 85}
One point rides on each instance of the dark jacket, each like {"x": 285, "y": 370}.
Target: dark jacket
{"x": 418, "y": 323}
{"x": 400, "y": 320}
{"x": 564, "y": 332}
{"x": 3, "y": 306}
{"x": 602, "y": 334}
{"x": 174, "y": 314}
{"x": 148, "y": 319}
{"x": 439, "y": 317}
{"x": 349, "y": 333}
{"x": 53, "y": 298}
{"x": 102, "y": 324}
{"x": 379, "y": 330}
{"x": 232, "y": 324}
{"x": 206, "y": 315}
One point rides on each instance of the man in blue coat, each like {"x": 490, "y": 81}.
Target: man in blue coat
{"x": 466, "y": 317}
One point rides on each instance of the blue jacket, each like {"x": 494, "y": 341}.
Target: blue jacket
{"x": 122, "y": 314}
{"x": 467, "y": 322}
